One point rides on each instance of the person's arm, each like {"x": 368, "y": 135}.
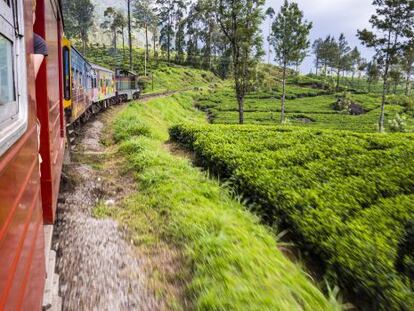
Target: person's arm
{"x": 37, "y": 62}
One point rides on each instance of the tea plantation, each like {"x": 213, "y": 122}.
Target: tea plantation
{"x": 306, "y": 106}
{"x": 348, "y": 198}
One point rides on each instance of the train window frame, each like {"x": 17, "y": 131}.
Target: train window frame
{"x": 13, "y": 128}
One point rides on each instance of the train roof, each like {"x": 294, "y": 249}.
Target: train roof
{"x": 94, "y": 66}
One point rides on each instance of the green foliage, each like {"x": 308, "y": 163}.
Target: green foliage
{"x": 78, "y": 18}
{"x": 235, "y": 262}
{"x": 240, "y": 23}
{"x": 347, "y": 197}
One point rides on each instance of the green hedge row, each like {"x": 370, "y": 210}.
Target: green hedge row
{"x": 348, "y": 198}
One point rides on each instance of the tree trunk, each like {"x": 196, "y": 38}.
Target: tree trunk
{"x": 282, "y": 113}
{"x": 407, "y": 83}
{"x": 385, "y": 85}
{"x": 129, "y": 35}
{"x": 147, "y": 42}
{"x": 154, "y": 38}
{"x": 338, "y": 80}
{"x": 240, "y": 101}
{"x": 146, "y": 51}
{"x": 123, "y": 45}
{"x": 317, "y": 66}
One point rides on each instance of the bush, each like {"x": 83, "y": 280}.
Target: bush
{"x": 398, "y": 124}
{"x": 347, "y": 197}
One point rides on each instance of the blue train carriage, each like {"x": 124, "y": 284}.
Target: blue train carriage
{"x": 127, "y": 84}
{"x": 78, "y": 82}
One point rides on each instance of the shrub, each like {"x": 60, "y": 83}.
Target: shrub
{"x": 347, "y": 197}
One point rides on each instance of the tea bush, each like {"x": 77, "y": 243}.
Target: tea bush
{"x": 347, "y": 197}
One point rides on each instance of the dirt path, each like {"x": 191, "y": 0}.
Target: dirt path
{"x": 99, "y": 269}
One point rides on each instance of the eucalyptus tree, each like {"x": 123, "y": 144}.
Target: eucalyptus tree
{"x": 373, "y": 73}
{"x": 317, "y": 49}
{"x": 270, "y": 13}
{"x": 193, "y": 33}
{"x": 342, "y": 58}
{"x": 391, "y": 24}
{"x": 396, "y": 75}
{"x": 290, "y": 39}
{"x": 166, "y": 10}
{"x": 355, "y": 60}
{"x": 115, "y": 24}
{"x": 129, "y": 22}
{"x": 240, "y": 22}
{"x": 144, "y": 16}
{"x": 180, "y": 11}
{"x": 407, "y": 64}
{"x": 78, "y": 15}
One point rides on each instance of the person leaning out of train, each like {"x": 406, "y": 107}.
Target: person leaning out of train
{"x": 39, "y": 45}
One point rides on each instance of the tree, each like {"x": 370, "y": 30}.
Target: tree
{"x": 129, "y": 22}
{"x": 373, "y": 74}
{"x": 317, "y": 49}
{"x": 395, "y": 77}
{"x": 407, "y": 64}
{"x": 115, "y": 23}
{"x": 78, "y": 19}
{"x": 289, "y": 38}
{"x": 355, "y": 60}
{"x": 270, "y": 13}
{"x": 392, "y": 23}
{"x": 144, "y": 17}
{"x": 180, "y": 7}
{"x": 342, "y": 59}
{"x": 166, "y": 9}
{"x": 240, "y": 22}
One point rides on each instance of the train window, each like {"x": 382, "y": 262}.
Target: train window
{"x": 7, "y": 95}
{"x": 66, "y": 73}
{"x": 13, "y": 87}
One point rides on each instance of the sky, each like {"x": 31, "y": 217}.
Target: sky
{"x": 330, "y": 17}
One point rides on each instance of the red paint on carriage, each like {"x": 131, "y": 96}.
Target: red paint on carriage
{"x": 50, "y": 105}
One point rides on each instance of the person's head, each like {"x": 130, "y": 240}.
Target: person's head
{"x": 34, "y": 11}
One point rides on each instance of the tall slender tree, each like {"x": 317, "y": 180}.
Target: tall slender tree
{"x": 129, "y": 22}
{"x": 144, "y": 17}
{"x": 270, "y": 13}
{"x": 407, "y": 64}
{"x": 240, "y": 22}
{"x": 290, "y": 39}
{"x": 373, "y": 74}
{"x": 78, "y": 15}
{"x": 392, "y": 24}
{"x": 317, "y": 49}
{"x": 166, "y": 10}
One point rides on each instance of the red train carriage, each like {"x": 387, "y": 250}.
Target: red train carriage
{"x": 22, "y": 190}
{"x": 49, "y": 98}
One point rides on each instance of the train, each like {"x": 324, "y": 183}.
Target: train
{"x": 37, "y": 114}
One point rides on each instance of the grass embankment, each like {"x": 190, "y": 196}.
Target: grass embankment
{"x": 348, "y": 197}
{"x": 234, "y": 261}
